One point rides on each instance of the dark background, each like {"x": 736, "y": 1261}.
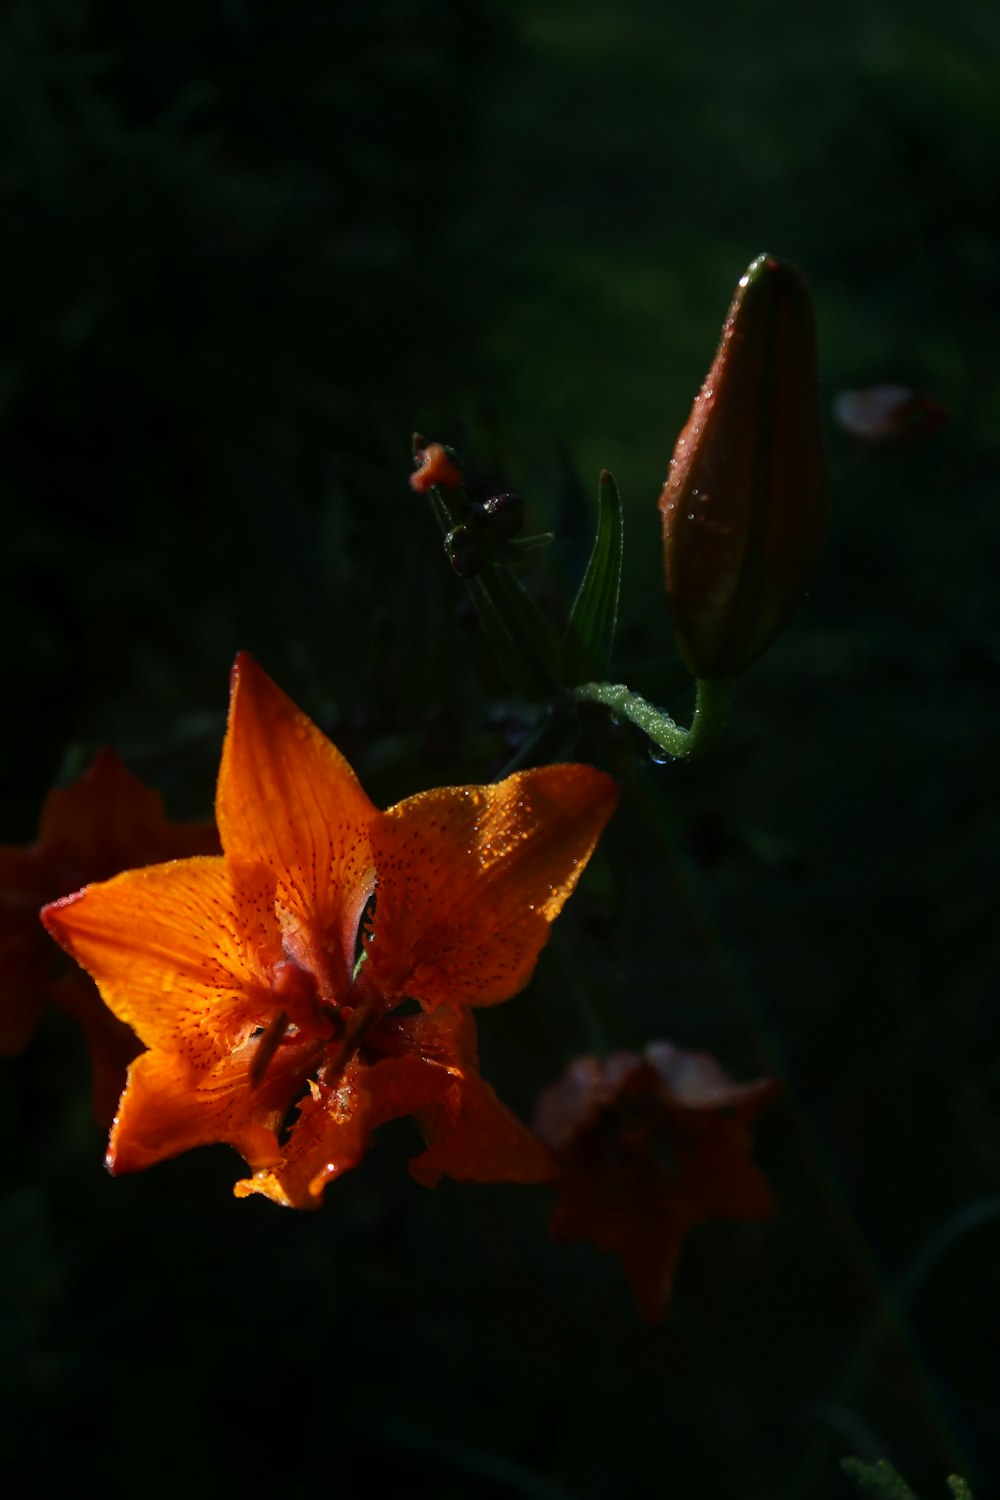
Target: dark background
{"x": 246, "y": 249}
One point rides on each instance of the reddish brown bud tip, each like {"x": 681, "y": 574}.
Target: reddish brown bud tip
{"x": 744, "y": 506}
{"x": 436, "y": 469}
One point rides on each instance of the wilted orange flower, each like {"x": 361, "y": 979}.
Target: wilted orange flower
{"x": 266, "y": 983}
{"x": 105, "y": 822}
{"x": 744, "y": 506}
{"x": 650, "y": 1145}
{"x": 434, "y": 467}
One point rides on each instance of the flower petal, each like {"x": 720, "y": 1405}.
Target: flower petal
{"x": 470, "y": 1135}
{"x": 177, "y": 952}
{"x": 717, "y": 1179}
{"x": 105, "y": 822}
{"x": 335, "y": 1124}
{"x": 649, "y": 1259}
{"x": 112, "y": 1045}
{"x": 650, "y": 1145}
{"x": 288, "y": 799}
{"x": 695, "y": 1081}
{"x": 470, "y": 878}
{"x": 108, "y": 821}
{"x": 168, "y": 1108}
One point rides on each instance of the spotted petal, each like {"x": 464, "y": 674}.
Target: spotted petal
{"x": 288, "y": 799}
{"x": 470, "y": 1135}
{"x": 111, "y": 1044}
{"x": 470, "y": 879}
{"x": 168, "y": 1108}
{"x": 176, "y": 953}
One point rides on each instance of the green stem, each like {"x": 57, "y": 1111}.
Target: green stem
{"x": 713, "y": 696}
{"x": 521, "y": 635}
{"x": 450, "y": 507}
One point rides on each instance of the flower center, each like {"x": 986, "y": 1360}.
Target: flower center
{"x": 297, "y": 992}
{"x": 301, "y": 1010}
{"x": 337, "y": 1026}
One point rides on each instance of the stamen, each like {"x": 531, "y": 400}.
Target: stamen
{"x": 267, "y": 1045}
{"x": 359, "y": 1019}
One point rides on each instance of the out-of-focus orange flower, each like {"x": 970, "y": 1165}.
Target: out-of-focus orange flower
{"x": 434, "y": 467}
{"x": 744, "y": 506}
{"x": 266, "y": 983}
{"x": 889, "y": 416}
{"x": 105, "y": 822}
{"x": 649, "y": 1145}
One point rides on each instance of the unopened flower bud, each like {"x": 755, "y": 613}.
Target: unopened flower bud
{"x": 465, "y": 551}
{"x": 744, "y": 507}
{"x": 436, "y": 468}
{"x": 504, "y": 515}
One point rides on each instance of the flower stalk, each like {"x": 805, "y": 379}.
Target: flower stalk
{"x": 743, "y": 516}
{"x": 713, "y": 698}
{"x": 521, "y": 635}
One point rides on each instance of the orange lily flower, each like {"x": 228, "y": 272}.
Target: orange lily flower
{"x": 265, "y": 983}
{"x": 106, "y": 821}
{"x": 650, "y": 1145}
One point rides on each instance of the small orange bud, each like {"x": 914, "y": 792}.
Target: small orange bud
{"x": 436, "y": 468}
{"x": 744, "y": 507}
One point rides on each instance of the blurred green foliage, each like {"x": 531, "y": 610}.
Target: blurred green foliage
{"x": 882, "y": 1479}
{"x": 246, "y": 250}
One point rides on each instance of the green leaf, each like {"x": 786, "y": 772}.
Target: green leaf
{"x": 521, "y": 635}
{"x": 590, "y": 634}
{"x": 881, "y": 1479}
{"x": 878, "y": 1479}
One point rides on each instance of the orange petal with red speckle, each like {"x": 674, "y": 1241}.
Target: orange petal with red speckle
{"x": 168, "y": 948}
{"x": 288, "y": 799}
{"x": 470, "y": 1135}
{"x": 168, "y": 1108}
{"x": 111, "y": 1044}
{"x": 470, "y": 879}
